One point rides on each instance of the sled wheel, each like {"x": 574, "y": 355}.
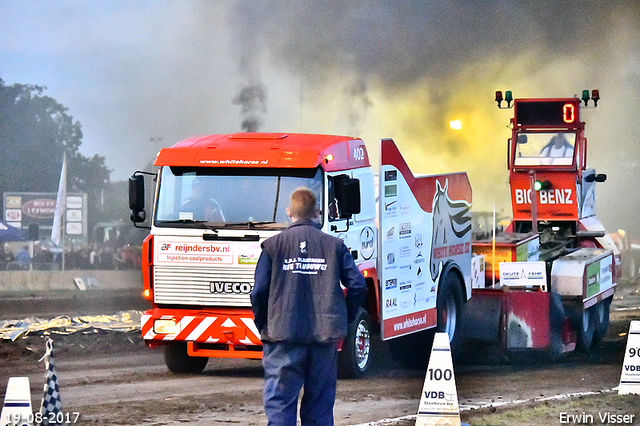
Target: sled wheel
{"x": 557, "y": 324}
{"x": 586, "y": 329}
{"x": 601, "y": 319}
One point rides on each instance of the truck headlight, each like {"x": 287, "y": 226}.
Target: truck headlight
{"x": 164, "y": 326}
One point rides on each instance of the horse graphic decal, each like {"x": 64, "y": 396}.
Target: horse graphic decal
{"x": 451, "y": 225}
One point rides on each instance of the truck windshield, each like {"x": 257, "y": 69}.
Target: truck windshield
{"x": 545, "y": 148}
{"x": 228, "y": 197}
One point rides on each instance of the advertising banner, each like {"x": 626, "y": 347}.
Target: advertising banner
{"x": 424, "y": 224}
{"x": 185, "y": 251}
{"x": 22, "y": 209}
{"x": 523, "y": 274}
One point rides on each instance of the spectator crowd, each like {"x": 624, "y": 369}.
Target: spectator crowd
{"x": 37, "y": 256}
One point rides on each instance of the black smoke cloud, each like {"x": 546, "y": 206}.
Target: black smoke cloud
{"x": 418, "y": 64}
{"x": 253, "y": 104}
{"x": 402, "y": 42}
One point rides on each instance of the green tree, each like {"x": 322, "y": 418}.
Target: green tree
{"x": 35, "y": 131}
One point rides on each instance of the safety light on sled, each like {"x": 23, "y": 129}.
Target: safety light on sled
{"x": 540, "y": 185}
{"x": 595, "y": 96}
{"x": 508, "y": 97}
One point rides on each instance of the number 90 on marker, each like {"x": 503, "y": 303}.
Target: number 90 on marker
{"x": 634, "y": 352}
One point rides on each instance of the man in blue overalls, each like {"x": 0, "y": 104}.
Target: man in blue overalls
{"x": 302, "y": 313}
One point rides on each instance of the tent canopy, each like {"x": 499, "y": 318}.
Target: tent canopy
{"x": 10, "y": 233}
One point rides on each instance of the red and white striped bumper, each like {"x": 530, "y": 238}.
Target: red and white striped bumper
{"x": 196, "y": 326}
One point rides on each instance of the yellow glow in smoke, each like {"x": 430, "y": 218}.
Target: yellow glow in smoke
{"x": 418, "y": 125}
{"x": 455, "y": 124}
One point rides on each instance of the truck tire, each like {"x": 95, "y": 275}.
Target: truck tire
{"x": 450, "y": 311}
{"x": 354, "y": 358}
{"x": 178, "y": 361}
{"x": 601, "y": 319}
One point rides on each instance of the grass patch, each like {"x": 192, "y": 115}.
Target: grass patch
{"x": 573, "y": 411}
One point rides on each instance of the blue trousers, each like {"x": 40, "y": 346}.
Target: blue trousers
{"x": 289, "y": 367}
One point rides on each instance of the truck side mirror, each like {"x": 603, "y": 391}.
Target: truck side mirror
{"x": 348, "y": 196}
{"x": 136, "y": 198}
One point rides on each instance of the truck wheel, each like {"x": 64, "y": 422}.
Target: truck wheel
{"x": 178, "y": 361}
{"x": 353, "y": 359}
{"x": 601, "y": 319}
{"x": 450, "y": 311}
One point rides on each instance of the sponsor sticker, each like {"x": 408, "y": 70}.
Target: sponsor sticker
{"x": 193, "y": 252}
{"x": 367, "y": 242}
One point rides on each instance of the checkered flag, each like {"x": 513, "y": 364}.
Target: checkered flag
{"x": 51, "y": 404}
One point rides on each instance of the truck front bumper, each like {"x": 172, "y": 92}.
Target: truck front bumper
{"x": 216, "y": 333}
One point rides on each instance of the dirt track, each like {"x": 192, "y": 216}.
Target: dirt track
{"x": 111, "y": 378}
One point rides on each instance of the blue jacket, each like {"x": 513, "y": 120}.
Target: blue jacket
{"x": 297, "y": 295}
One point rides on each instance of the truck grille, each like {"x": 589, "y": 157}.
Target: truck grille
{"x": 203, "y": 286}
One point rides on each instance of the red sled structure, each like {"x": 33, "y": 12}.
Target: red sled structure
{"x": 549, "y": 278}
